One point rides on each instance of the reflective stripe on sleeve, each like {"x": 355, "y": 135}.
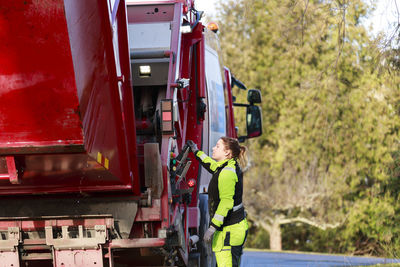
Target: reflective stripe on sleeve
{"x": 235, "y": 208}
{"x": 203, "y": 156}
{"x": 219, "y": 217}
{"x": 230, "y": 169}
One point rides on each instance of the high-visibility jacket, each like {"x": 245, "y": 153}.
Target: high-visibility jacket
{"x": 224, "y": 191}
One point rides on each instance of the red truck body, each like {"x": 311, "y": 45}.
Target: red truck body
{"x": 59, "y": 99}
{"x": 97, "y": 99}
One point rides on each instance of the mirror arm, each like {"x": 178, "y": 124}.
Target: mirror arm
{"x": 241, "y": 139}
{"x": 241, "y": 105}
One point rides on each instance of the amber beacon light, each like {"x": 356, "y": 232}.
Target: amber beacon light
{"x": 212, "y": 26}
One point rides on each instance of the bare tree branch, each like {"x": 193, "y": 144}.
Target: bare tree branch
{"x": 302, "y": 23}
{"x": 322, "y": 226}
{"x": 341, "y": 35}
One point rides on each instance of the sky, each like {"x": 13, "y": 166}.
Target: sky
{"x": 385, "y": 14}
{"x": 208, "y": 6}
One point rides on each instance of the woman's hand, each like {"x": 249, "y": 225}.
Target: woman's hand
{"x": 209, "y": 233}
{"x": 192, "y": 146}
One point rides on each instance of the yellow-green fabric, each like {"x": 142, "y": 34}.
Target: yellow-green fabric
{"x": 208, "y": 163}
{"x": 227, "y": 180}
{"x": 237, "y": 235}
{"x": 226, "y": 186}
{"x": 223, "y": 247}
{"x": 224, "y": 258}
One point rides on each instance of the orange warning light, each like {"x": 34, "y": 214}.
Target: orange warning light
{"x": 212, "y": 26}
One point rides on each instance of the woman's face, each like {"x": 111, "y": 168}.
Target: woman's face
{"x": 219, "y": 152}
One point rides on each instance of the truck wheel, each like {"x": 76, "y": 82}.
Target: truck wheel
{"x": 207, "y": 258}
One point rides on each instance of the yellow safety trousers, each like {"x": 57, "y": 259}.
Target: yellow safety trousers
{"x": 228, "y": 244}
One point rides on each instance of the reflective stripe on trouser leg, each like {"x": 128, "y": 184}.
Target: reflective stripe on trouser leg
{"x": 224, "y": 256}
{"x": 229, "y": 256}
{"x": 237, "y": 235}
{"x": 228, "y": 244}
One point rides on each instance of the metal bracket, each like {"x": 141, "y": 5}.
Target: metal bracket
{"x": 8, "y": 247}
{"x": 79, "y": 251}
{"x": 12, "y": 240}
{"x": 181, "y": 172}
{"x": 80, "y": 242}
{"x": 181, "y": 83}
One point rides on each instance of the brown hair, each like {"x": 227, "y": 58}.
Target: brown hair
{"x": 238, "y": 151}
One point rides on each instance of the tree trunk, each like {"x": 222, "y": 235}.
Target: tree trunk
{"x": 275, "y": 237}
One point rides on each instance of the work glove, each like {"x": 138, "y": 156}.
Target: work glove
{"x": 209, "y": 233}
{"x": 192, "y": 146}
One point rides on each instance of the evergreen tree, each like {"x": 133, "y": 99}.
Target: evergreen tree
{"x": 329, "y": 127}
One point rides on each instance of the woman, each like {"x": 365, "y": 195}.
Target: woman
{"x": 228, "y": 225}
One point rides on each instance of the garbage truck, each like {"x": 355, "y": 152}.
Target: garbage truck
{"x": 97, "y": 101}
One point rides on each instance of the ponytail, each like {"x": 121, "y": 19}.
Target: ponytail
{"x": 239, "y": 153}
{"x": 243, "y": 157}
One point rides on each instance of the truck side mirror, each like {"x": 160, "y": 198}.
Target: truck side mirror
{"x": 253, "y": 121}
{"x": 254, "y": 96}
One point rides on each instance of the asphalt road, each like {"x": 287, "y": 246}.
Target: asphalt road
{"x": 276, "y": 259}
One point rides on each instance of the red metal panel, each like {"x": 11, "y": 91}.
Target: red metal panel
{"x": 56, "y": 173}
{"x": 38, "y": 100}
{"x": 137, "y": 243}
{"x": 74, "y": 258}
{"x": 9, "y": 258}
{"x": 149, "y": 214}
{"x": 97, "y": 84}
{"x": 57, "y": 77}
{"x": 230, "y": 128}
{"x": 175, "y": 45}
{"x": 127, "y": 94}
{"x": 146, "y": 13}
{"x": 194, "y": 132}
{"x": 201, "y": 68}
{"x": 186, "y": 61}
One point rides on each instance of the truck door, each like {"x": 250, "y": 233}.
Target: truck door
{"x": 215, "y": 123}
